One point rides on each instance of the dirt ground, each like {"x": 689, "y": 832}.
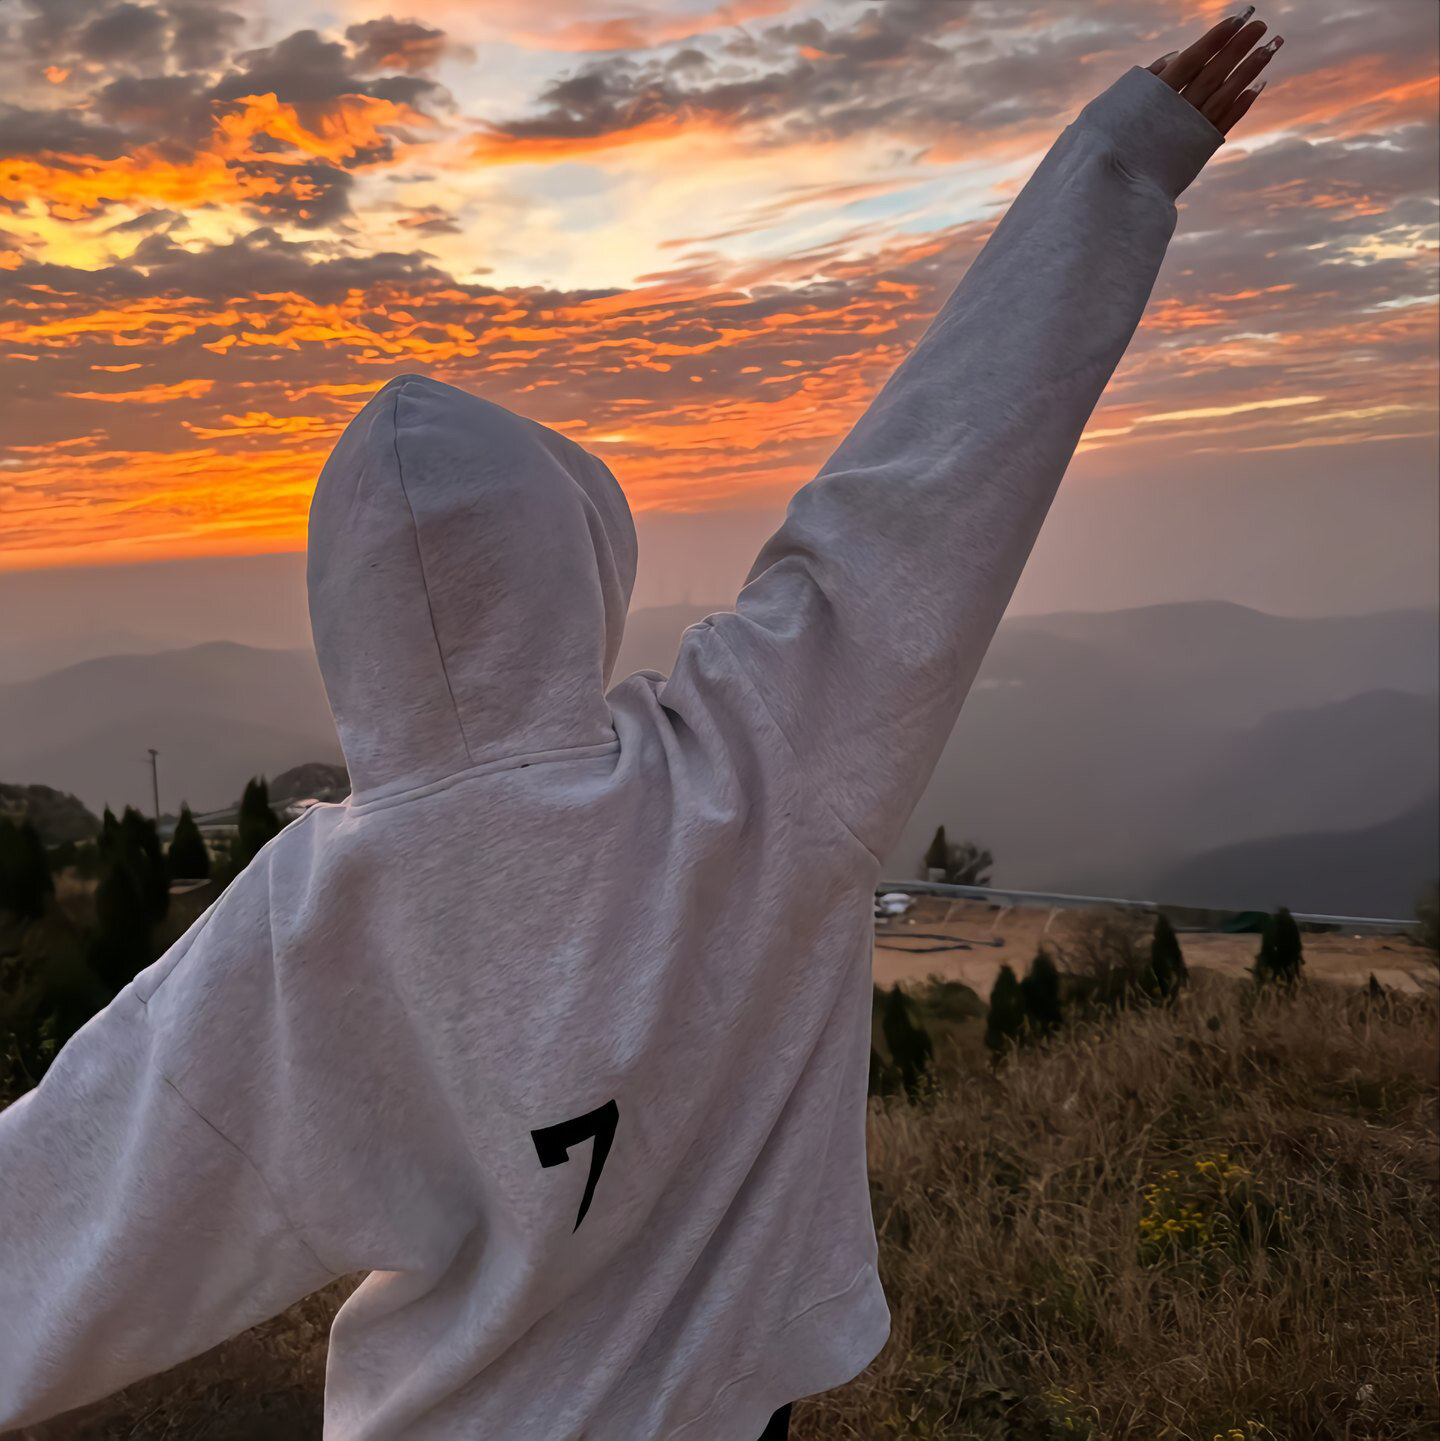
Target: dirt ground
{"x": 999, "y": 934}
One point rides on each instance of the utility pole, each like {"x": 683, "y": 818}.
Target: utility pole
{"x": 155, "y": 783}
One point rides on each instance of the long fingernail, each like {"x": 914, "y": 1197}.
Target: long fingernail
{"x": 1273, "y": 45}
{"x": 1243, "y": 16}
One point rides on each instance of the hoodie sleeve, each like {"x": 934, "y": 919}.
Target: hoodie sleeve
{"x": 866, "y": 616}
{"x": 133, "y": 1233}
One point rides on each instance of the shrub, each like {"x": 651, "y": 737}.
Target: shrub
{"x": 909, "y": 1044}
{"x": 25, "y": 881}
{"x": 189, "y": 860}
{"x": 1281, "y": 955}
{"x": 1006, "y": 1018}
{"x": 1041, "y": 993}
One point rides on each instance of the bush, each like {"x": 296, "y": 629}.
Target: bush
{"x": 1006, "y": 1018}
{"x": 909, "y": 1044}
{"x": 1281, "y": 956}
{"x": 188, "y": 858}
{"x": 1041, "y": 992}
{"x": 25, "y": 881}
{"x": 1106, "y": 956}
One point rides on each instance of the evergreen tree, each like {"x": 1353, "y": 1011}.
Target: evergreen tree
{"x": 1006, "y": 1017}
{"x": 258, "y": 824}
{"x": 122, "y": 945}
{"x": 143, "y": 854}
{"x": 108, "y": 841}
{"x": 189, "y": 860}
{"x": 908, "y": 1043}
{"x": 25, "y": 881}
{"x": 937, "y": 858}
{"x": 1040, "y": 993}
{"x": 1167, "y": 971}
{"x": 1281, "y": 956}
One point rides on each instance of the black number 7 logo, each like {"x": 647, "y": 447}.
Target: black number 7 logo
{"x": 553, "y": 1143}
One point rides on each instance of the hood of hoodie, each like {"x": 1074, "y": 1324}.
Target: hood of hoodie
{"x": 469, "y": 571}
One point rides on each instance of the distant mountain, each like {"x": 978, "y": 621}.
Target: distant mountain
{"x": 1237, "y": 664}
{"x": 217, "y": 713}
{"x": 1377, "y": 871}
{"x": 56, "y": 815}
{"x": 1360, "y": 761}
{"x": 315, "y": 780}
{"x": 1096, "y": 752}
{"x": 25, "y": 659}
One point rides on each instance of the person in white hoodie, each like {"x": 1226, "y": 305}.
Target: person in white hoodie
{"x": 602, "y": 1153}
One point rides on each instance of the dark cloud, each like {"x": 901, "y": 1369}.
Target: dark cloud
{"x": 174, "y": 106}
{"x": 64, "y": 132}
{"x": 203, "y": 34}
{"x": 390, "y": 44}
{"x": 806, "y": 78}
{"x": 305, "y": 69}
{"x": 125, "y": 32}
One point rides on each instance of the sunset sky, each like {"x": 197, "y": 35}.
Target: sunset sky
{"x": 693, "y": 236}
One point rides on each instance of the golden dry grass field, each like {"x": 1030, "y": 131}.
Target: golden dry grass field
{"x": 1210, "y": 1221}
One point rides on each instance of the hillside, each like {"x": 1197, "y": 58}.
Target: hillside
{"x": 1096, "y": 753}
{"x": 217, "y": 713}
{"x": 1378, "y": 870}
{"x": 56, "y": 815}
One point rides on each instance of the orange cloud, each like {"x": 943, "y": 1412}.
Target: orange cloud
{"x": 149, "y": 394}
{"x": 231, "y": 170}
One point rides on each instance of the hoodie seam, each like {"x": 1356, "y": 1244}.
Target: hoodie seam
{"x": 424, "y": 579}
{"x": 199, "y": 1115}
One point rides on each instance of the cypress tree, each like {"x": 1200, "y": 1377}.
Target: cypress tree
{"x": 937, "y": 858}
{"x": 1289, "y": 951}
{"x": 908, "y": 1043}
{"x": 1167, "y": 971}
{"x": 1007, "y": 1011}
{"x": 1040, "y": 993}
{"x": 122, "y": 945}
{"x": 107, "y": 843}
{"x": 144, "y": 855}
{"x": 25, "y": 881}
{"x": 258, "y": 824}
{"x": 189, "y": 860}
{"x": 1281, "y": 954}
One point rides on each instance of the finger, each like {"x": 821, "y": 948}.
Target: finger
{"x": 1213, "y": 74}
{"x": 1241, "y": 105}
{"x": 1156, "y": 66}
{"x": 1190, "y": 61}
{"x": 1220, "y": 102}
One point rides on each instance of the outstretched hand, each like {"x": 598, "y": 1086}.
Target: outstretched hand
{"x": 1213, "y": 73}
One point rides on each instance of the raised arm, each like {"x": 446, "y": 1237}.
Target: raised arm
{"x": 867, "y": 614}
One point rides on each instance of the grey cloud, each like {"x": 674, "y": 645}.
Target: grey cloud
{"x": 125, "y": 32}
{"x": 31, "y": 132}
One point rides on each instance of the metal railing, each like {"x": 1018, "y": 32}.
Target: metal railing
{"x": 995, "y": 894}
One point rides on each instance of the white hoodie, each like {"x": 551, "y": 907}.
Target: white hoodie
{"x": 559, "y": 1026}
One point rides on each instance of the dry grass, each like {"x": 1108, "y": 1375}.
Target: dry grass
{"x": 1009, "y": 1210}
